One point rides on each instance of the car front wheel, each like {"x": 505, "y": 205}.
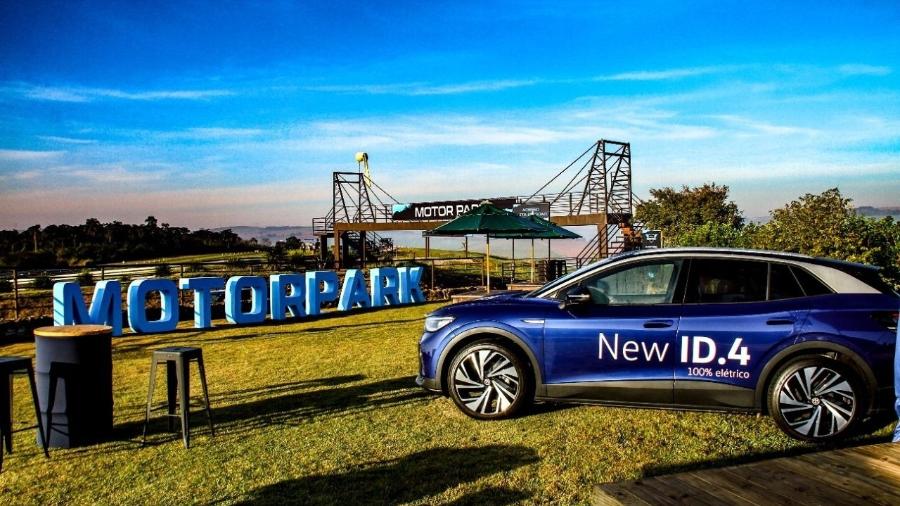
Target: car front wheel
{"x": 488, "y": 381}
{"x": 816, "y": 399}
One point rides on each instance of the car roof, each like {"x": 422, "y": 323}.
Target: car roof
{"x": 763, "y": 254}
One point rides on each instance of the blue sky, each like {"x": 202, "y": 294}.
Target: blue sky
{"x": 209, "y": 114}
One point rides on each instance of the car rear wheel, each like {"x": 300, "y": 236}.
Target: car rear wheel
{"x": 488, "y": 381}
{"x": 816, "y": 399}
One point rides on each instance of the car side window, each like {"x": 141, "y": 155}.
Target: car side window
{"x": 647, "y": 283}
{"x": 723, "y": 281}
{"x": 782, "y": 283}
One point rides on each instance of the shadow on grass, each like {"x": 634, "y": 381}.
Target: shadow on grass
{"x": 282, "y": 388}
{"x": 191, "y": 337}
{"x": 294, "y": 408}
{"x": 365, "y": 324}
{"x": 650, "y": 471}
{"x": 414, "y": 477}
{"x": 235, "y": 396}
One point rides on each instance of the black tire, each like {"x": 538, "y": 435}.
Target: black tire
{"x": 816, "y": 399}
{"x": 488, "y": 381}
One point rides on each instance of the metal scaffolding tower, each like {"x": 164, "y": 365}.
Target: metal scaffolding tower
{"x": 594, "y": 189}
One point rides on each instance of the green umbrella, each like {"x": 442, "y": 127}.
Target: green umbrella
{"x": 489, "y": 220}
{"x": 551, "y": 231}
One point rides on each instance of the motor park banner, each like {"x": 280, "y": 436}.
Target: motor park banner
{"x": 281, "y": 296}
{"x": 445, "y": 210}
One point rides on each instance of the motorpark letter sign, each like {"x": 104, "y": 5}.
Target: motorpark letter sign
{"x": 282, "y": 296}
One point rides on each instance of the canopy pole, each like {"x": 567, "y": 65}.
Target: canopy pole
{"x": 512, "y": 278}
{"x": 532, "y": 260}
{"x": 487, "y": 262}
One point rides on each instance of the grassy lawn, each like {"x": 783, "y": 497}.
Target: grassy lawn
{"x": 326, "y": 412}
{"x": 205, "y": 257}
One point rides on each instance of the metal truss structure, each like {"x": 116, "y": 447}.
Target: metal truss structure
{"x": 594, "y": 189}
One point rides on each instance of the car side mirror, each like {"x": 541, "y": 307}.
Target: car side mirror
{"x": 576, "y": 297}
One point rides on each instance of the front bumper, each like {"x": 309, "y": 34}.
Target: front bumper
{"x": 429, "y": 384}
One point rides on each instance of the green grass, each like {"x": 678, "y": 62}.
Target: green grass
{"x": 205, "y": 257}
{"x": 326, "y": 412}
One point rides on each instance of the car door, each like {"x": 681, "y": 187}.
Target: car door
{"x": 620, "y": 345}
{"x": 735, "y": 311}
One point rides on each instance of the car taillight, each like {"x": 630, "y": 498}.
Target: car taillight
{"x": 887, "y": 318}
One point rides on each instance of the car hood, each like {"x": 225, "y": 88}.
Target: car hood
{"x": 505, "y": 298}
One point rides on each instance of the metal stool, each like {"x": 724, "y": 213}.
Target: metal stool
{"x": 177, "y": 360}
{"x": 8, "y": 367}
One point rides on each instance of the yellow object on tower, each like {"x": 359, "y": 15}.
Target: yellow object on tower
{"x": 362, "y": 159}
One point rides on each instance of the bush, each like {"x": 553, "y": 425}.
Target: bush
{"x": 5, "y": 286}
{"x": 85, "y": 278}
{"x": 42, "y": 282}
{"x": 712, "y": 234}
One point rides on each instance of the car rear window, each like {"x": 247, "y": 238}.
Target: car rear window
{"x": 811, "y": 284}
{"x": 873, "y": 279}
{"x": 782, "y": 283}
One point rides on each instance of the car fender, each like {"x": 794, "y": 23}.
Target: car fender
{"x": 488, "y": 327}
{"x": 810, "y": 342}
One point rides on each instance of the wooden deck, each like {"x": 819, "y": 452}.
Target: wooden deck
{"x": 862, "y": 475}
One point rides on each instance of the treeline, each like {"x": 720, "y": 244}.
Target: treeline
{"x": 97, "y": 243}
{"x": 823, "y": 225}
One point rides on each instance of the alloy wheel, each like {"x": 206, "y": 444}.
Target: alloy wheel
{"x": 486, "y": 382}
{"x": 817, "y": 402}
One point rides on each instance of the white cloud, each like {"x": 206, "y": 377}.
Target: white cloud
{"x": 66, "y": 140}
{"x": 84, "y": 94}
{"x": 106, "y": 174}
{"x": 425, "y": 89}
{"x": 861, "y": 69}
{"x": 219, "y": 133}
{"x": 282, "y": 203}
{"x": 664, "y": 75}
{"x": 20, "y": 155}
{"x": 25, "y": 175}
{"x": 422, "y": 131}
{"x": 748, "y": 125}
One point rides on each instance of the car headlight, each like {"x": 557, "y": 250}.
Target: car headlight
{"x": 435, "y": 323}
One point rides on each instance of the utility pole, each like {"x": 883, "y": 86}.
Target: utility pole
{"x": 16, "y": 293}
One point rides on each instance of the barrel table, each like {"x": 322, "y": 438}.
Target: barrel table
{"x": 74, "y": 383}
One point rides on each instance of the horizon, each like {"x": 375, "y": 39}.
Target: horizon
{"x": 222, "y": 115}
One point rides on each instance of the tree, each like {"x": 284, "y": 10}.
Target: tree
{"x": 812, "y": 225}
{"x": 826, "y": 225}
{"x": 714, "y": 235}
{"x": 679, "y": 212}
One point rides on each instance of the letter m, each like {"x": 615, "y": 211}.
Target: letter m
{"x": 106, "y": 305}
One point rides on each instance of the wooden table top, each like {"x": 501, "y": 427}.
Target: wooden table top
{"x": 69, "y": 331}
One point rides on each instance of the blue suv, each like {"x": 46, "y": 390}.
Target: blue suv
{"x": 808, "y": 340}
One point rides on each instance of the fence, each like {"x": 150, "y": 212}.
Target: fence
{"x": 24, "y": 300}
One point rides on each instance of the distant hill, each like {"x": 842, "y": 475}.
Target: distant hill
{"x": 873, "y": 212}
{"x": 271, "y": 235}
{"x": 879, "y": 212}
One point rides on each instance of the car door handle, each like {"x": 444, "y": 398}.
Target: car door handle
{"x": 780, "y": 321}
{"x": 658, "y": 324}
